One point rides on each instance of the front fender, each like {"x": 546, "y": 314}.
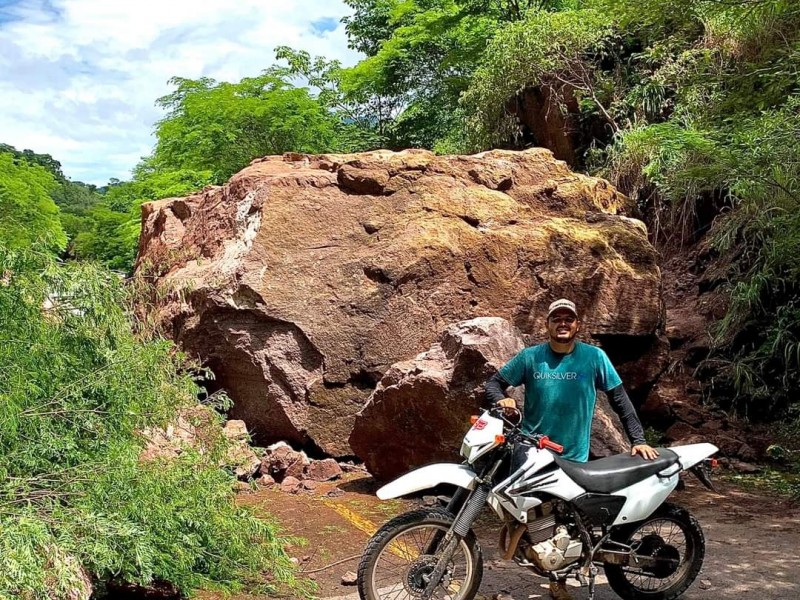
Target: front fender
{"x": 428, "y": 477}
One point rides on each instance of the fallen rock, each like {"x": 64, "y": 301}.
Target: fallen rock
{"x": 308, "y": 485}
{"x": 657, "y": 408}
{"x": 266, "y": 480}
{"x": 304, "y": 278}
{"x": 324, "y": 470}
{"x": 290, "y": 485}
{"x": 681, "y": 433}
{"x": 430, "y": 399}
{"x": 197, "y": 428}
{"x": 281, "y": 460}
{"x": 349, "y": 578}
{"x": 349, "y": 467}
{"x": 236, "y": 430}
{"x": 744, "y": 467}
{"x": 298, "y": 468}
{"x": 194, "y": 428}
{"x": 243, "y": 459}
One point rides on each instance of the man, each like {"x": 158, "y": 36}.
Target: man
{"x": 561, "y": 379}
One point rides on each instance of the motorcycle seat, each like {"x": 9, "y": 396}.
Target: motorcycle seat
{"x": 608, "y": 475}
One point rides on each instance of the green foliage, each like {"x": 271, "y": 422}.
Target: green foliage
{"x": 221, "y": 127}
{"x": 109, "y": 233}
{"x": 554, "y": 49}
{"x": 47, "y": 162}
{"x": 421, "y": 55}
{"x": 76, "y": 389}
{"x": 27, "y": 212}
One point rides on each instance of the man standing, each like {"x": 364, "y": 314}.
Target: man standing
{"x": 561, "y": 379}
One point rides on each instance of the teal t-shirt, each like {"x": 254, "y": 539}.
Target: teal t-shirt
{"x": 560, "y": 392}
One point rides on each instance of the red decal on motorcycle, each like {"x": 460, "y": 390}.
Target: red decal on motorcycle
{"x": 481, "y": 424}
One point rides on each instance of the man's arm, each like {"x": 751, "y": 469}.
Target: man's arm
{"x": 495, "y": 392}
{"x": 623, "y": 406}
{"x": 495, "y": 388}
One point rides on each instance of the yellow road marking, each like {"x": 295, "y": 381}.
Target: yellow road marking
{"x": 401, "y": 549}
{"x": 357, "y": 520}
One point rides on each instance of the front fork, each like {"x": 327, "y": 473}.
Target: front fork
{"x": 463, "y": 522}
{"x": 459, "y": 530}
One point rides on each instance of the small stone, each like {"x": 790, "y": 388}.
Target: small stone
{"x": 744, "y": 468}
{"x": 705, "y": 584}
{"x": 294, "y": 561}
{"x": 335, "y": 493}
{"x": 348, "y": 467}
{"x": 265, "y": 480}
{"x": 297, "y": 468}
{"x": 349, "y": 578}
{"x": 290, "y": 485}
{"x": 324, "y": 470}
{"x": 309, "y": 485}
{"x": 242, "y": 487}
{"x": 236, "y": 430}
{"x": 430, "y": 500}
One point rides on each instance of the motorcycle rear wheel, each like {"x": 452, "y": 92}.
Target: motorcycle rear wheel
{"x": 403, "y": 552}
{"x": 671, "y": 533}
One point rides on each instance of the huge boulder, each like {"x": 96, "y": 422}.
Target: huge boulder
{"x": 304, "y": 278}
{"x": 420, "y": 410}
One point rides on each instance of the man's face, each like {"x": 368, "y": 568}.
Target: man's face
{"x": 562, "y": 326}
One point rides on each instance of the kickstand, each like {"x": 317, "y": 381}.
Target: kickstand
{"x": 592, "y": 575}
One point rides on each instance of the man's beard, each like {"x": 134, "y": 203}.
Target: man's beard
{"x": 556, "y": 339}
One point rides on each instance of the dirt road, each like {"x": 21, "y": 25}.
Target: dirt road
{"x": 753, "y": 542}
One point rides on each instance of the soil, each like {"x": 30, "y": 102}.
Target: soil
{"x": 751, "y": 541}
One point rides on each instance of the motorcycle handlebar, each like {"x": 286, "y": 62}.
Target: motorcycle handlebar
{"x": 546, "y": 443}
{"x": 538, "y": 440}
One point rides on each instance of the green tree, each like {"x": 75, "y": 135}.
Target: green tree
{"x": 77, "y": 388}
{"x": 27, "y": 211}
{"x": 110, "y": 229}
{"x": 221, "y": 127}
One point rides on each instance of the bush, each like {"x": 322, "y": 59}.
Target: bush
{"x": 76, "y": 389}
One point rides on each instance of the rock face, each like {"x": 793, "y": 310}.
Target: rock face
{"x": 420, "y": 410}
{"x": 304, "y": 278}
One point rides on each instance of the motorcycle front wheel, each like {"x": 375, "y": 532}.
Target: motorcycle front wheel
{"x": 671, "y": 535}
{"x": 400, "y": 557}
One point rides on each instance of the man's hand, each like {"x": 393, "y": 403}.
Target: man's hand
{"x": 509, "y": 406}
{"x": 646, "y": 451}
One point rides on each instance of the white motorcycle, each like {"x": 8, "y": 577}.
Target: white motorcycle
{"x": 560, "y": 518}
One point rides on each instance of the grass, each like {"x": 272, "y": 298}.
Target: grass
{"x": 778, "y": 481}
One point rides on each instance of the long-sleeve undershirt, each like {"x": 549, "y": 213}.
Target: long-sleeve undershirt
{"x": 617, "y": 398}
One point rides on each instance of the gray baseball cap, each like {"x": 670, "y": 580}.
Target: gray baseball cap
{"x": 562, "y": 304}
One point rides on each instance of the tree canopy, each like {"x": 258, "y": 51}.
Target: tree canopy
{"x": 28, "y": 214}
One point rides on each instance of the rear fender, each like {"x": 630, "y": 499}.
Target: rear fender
{"x": 428, "y": 477}
{"x": 692, "y": 454}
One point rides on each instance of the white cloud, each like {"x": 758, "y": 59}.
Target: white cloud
{"x": 79, "y": 78}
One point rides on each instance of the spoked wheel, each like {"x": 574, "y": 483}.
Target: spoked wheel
{"x": 400, "y": 558}
{"x": 671, "y": 536}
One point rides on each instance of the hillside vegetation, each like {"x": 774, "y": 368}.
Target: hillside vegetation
{"x": 79, "y": 382}
{"x": 692, "y": 107}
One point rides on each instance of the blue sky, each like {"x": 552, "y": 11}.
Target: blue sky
{"x": 79, "y": 78}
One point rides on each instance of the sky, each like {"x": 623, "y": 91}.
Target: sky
{"x": 79, "y": 78}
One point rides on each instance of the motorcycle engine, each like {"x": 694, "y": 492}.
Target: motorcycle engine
{"x": 551, "y": 547}
{"x": 555, "y": 553}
